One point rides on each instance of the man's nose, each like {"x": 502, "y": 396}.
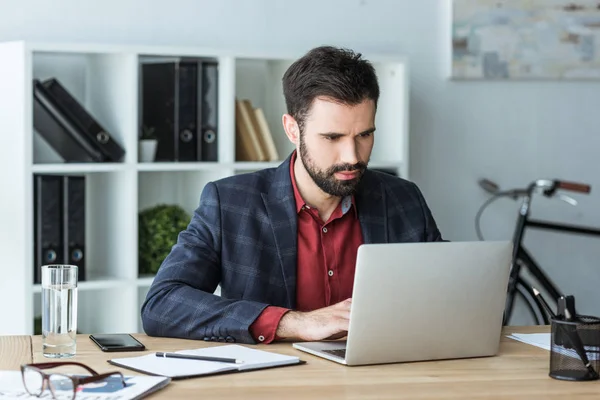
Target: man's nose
{"x": 348, "y": 153}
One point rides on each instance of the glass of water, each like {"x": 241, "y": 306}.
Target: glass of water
{"x": 59, "y": 310}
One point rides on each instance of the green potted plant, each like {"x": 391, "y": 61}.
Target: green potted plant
{"x": 159, "y": 227}
{"x": 148, "y": 144}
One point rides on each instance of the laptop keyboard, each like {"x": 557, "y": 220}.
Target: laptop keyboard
{"x": 339, "y": 352}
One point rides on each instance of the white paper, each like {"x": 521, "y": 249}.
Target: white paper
{"x": 542, "y": 340}
{"x": 177, "y": 367}
{"x": 11, "y": 388}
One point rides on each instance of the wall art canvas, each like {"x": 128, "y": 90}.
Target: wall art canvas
{"x": 525, "y": 39}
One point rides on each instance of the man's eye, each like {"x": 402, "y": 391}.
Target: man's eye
{"x": 366, "y": 134}
{"x": 332, "y": 138}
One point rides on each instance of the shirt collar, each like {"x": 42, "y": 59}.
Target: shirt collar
{"x": 346, "y": 202}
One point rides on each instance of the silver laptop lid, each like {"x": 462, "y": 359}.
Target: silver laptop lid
{"x": 427, "y": 301}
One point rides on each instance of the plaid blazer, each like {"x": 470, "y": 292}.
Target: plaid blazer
{"x": 243, "y": 237}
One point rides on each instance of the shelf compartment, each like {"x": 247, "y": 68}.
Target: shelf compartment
{"x": 104, "y": 84}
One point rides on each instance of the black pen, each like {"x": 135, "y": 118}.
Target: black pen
{"x": 577, "y": 344}
{"x": 201, "y": 358}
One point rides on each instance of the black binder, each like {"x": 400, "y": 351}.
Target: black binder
{"x": 209, "y": 111}
{"x": 187, "y": 111}
{"x": 48, "y": 226}
{"x": 158, "y": 107}
{"x": 88, "y": 127}
{"x": 59, "y": 222}
{"x": 58, "y": 130}
{"x": 74, "y": 221}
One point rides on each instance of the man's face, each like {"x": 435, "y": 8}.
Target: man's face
{"x": 336, "y": 144}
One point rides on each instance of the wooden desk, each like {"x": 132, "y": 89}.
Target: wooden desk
{"x": 520, "y": 371}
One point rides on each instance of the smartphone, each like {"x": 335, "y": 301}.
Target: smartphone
{"x": 117, "y": 342}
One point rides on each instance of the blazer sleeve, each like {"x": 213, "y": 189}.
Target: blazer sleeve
{"x": 432, "y": 233}
{"x": 180, "y": 302}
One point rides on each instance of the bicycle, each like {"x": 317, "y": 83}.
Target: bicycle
{"x": 521, "y": 258}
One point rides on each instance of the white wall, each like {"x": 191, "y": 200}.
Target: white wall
{"x": 460, "y": 131}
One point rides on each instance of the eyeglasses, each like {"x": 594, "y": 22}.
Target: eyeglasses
{"x": 36, "y": 381}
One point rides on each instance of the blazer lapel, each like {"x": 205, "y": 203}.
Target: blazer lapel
{"x": 280, "y": 206}
{"x": 372, "y": 210}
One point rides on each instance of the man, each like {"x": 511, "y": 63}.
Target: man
{"x": 282, "y": 242}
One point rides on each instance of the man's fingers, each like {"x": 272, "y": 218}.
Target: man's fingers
{"x": 338, "y": 335}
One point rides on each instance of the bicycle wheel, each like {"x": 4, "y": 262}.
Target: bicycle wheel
{"x": 534, "y": 314}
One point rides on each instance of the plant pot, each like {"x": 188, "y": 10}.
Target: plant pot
{"x": 147, "y": 150}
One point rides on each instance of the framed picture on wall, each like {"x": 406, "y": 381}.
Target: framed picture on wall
{"x": 525, "y": 39}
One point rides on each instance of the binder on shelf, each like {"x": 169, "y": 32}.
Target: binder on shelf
{"x": 48, "y": 226}
{"x": 59, "y": 222}
{"x": 179, "y": 104}
{"x": 209, "y": 111}
{"x": 90, "y": 129}
{"x": 186, "y": 106}
{"x": 74, "y": 220}
{"x": 60, "y": 132}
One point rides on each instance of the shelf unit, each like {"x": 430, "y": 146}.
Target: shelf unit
{"x": 105, "y": 79}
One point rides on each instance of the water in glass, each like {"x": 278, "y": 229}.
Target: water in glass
{"x": 59, "y": 312}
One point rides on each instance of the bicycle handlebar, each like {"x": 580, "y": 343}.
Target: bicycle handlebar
{"x": 573, "y": 186}
{"x": 548, "y": 186}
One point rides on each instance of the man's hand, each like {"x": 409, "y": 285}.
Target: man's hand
{"x": 325, "y": 323}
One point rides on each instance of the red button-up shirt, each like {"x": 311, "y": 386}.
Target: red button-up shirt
{"x": 326, "y": 261}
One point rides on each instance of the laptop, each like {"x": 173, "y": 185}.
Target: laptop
{"x": 423, "y": 301}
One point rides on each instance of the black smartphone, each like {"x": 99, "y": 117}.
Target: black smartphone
{"x": 117, "y": 342}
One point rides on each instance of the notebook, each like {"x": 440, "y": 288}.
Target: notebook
{"x": 177, "y": 368}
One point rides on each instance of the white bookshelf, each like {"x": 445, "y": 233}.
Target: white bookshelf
{"x": 105, "y": 79}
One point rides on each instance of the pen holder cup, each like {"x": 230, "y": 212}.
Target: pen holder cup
{"x": 571, "y": 343}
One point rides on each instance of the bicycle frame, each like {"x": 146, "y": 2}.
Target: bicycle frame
{"x": 522, "y": 257}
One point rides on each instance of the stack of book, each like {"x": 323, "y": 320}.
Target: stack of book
{"x": 69, "y": 128}
{"x": 254, "y": 141}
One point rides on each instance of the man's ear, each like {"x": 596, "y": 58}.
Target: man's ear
{"x": 291, "y": 128}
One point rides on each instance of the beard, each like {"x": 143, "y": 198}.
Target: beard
{"x": 326, "y": 180}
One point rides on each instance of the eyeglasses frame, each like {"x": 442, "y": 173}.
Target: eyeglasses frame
{"x": 77, "y": 381}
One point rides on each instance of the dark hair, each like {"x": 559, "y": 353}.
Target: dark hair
{"x": 336, "y": 73}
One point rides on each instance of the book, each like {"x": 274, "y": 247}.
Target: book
{"x": 248, "y": 146}
{"x": 263, "y": 132}
{"x": 177, "y": 368}
{"x": 137, "y": 387}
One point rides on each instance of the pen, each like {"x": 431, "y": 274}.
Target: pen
{"x": 543, "y": 301}
{"x": 201, "y": 358}
{"x": 575, "y": 339}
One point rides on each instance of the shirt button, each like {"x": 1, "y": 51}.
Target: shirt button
{"x": 330, "y": 273}
{"x": 324, "y": 230}
{"x": 261, "y": 338}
